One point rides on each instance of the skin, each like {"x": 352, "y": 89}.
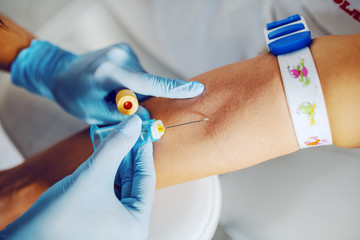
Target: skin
{"x": 236, "y": 101}
{"x": 13, "y": 39}
{"x": 337, "y": 59}
{"x": 249, "y": 124}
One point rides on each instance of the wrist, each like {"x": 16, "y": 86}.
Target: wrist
{"x": 13, "y": 39}
{"x": 36, "y": 67}
{"x": 337, "y": 60}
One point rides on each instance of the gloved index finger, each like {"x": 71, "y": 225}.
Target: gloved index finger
{"x": 170, "y": 88}
{"x": 147, "y": 84}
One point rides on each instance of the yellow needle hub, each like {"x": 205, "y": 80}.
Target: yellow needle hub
{"x": 161, "y": 128}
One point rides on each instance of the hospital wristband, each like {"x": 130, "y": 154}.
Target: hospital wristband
{"x": 289, "y": 39}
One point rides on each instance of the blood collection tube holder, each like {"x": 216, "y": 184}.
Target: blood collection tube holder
{"x": 150, "y": 130}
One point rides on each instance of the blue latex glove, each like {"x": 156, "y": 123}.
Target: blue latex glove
{"x": 84, "y": 206}
{"x": 85, "y": 85}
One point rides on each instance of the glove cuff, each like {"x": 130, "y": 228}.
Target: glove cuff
{"x": 36, "y": 67}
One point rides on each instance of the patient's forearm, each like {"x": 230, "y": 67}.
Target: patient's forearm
{"x": 249, "y": 119}
{"x": 249, "y": 123}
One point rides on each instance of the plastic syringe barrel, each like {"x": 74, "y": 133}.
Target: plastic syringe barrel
{"x": 98, "y": 134}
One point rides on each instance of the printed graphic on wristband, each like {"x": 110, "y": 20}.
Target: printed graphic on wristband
{"x": 305, "y": 98}
{"x": 308, "y": 109}
{"x": 314, "y": 141}
{"x": 300, "y": 72}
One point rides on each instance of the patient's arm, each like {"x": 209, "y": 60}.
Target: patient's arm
{"x": 249, "y": 123}
{"x": 249, "y": 120}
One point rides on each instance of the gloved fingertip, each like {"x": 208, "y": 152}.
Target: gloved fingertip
{"x": 188, "y": 89}
{"x": 197, "y": 87}
{"x": 130, "y": 126}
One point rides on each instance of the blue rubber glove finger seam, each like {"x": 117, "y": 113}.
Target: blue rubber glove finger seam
{"x": 144, "y": 179}
{"x": 126, "y": 47}
{"x": 124, "y": 59}
{"x": 125, "y": 175}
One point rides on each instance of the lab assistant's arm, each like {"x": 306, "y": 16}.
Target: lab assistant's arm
{"x": 80, "y": 84}
{"x": 249, "y": 122}
{"x": 13, "y": 39}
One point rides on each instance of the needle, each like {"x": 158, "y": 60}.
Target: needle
{"x": 181, "y": 124}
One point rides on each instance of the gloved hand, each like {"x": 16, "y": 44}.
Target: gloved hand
{"x": 84, "y": 206}
{"x": 82, "y": 84}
